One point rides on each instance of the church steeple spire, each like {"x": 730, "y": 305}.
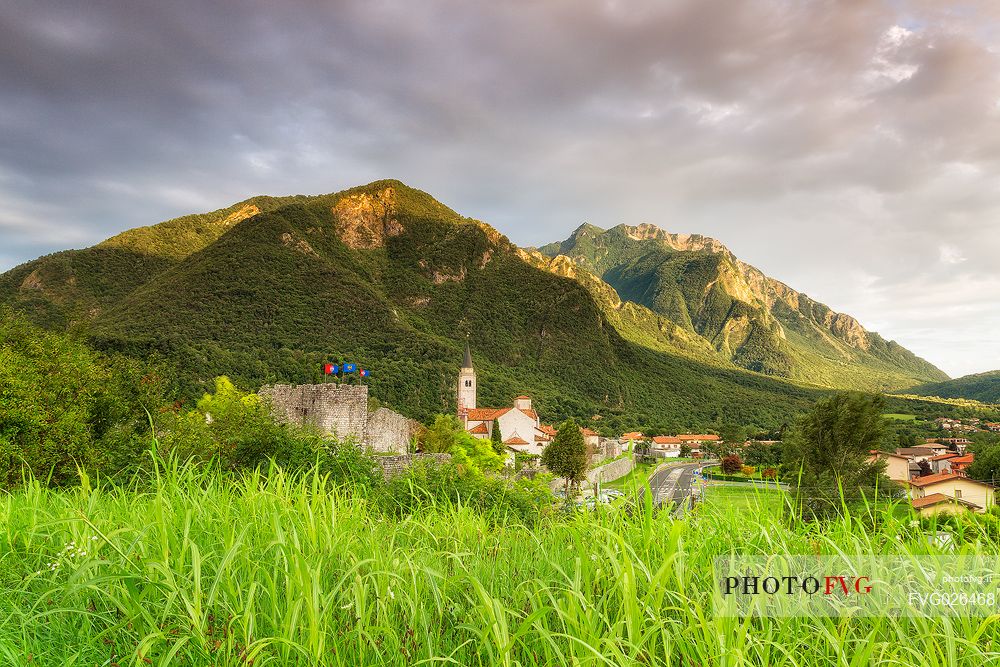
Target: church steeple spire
{"x": 467, "y": 361}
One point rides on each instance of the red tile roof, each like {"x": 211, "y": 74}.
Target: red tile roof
{"x": 546, "y": 429}
{"x": 523, "y": 398}
{"x": 633, "y": 435}
{"x": 485, "y": 414}
{"x": 666, "y": 440}
{"x": 514, "y": 440}
{"x": 942, "y": 477}
{"x": 587, "y": 431}
{"x": 968, "y": 458}
{"x": 689, "y": 436}
{"x": 479, "y": 430}
{"x": 935, "y": 498}
{"x": 942, "y": 457}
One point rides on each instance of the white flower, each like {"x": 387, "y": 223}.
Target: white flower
{"x": 392, "y": 596}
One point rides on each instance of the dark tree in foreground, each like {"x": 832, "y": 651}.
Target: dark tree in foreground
{"x": 732, "y": 464}
{"x": 566, "y": 455}
{"x": 826, "y": 454}
{"x": 925, "y": 468}
{"x": 495, "y": 438}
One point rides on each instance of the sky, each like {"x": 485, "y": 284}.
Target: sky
{"x": 850, "y": 148}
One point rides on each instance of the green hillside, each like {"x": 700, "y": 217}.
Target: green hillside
{"x": 983, "y": 387}
{"x": 748, "y": 319}
{"x": 385, "y": 276}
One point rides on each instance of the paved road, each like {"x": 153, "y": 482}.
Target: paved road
{"x": 674, "y": 484}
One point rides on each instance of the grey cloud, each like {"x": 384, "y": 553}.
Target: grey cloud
{"x": 818, "y": 139}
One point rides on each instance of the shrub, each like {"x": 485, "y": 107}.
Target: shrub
{"x": 748, "y": 471}
{"x": 732, "y": 464}
{"x": 770, "y": 473}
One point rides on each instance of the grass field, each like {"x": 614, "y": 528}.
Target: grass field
{"x": 205, "y": 570}
{"x": 900, "y": 417}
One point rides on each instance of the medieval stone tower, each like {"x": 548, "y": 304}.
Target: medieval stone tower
{"x": 466, "y": 384}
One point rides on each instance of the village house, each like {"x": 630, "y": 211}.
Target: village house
{"x": 667, "y": 446}
{"x": 917, "y": 454}
{"x": 960, "y": 463}
{"x": 695, "y": 441}
{"x": 942, "y": 462}
{"x": 977, "y": 496}
{"x": 897, "y": 467}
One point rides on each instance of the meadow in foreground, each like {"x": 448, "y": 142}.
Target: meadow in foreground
{"x": 201, "y": 568}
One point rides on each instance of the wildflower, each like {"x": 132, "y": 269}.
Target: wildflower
{"x": 392, "y": 596}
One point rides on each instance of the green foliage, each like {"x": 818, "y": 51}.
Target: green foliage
{"x": 496, "y": 439}
{"x": 758, "y": 454}
{"x": 985, "y": 465}
{"x": 982, "y": 387}
{"x": 566, "y": 456}
{"x": 476, "y": 453}
{"x": 442, "y": 436}
{"x": 63, "y": 406}
{"x": 237, "y": 430}
{"x": 826, "y": 454}
{"x": 427, "y": 484}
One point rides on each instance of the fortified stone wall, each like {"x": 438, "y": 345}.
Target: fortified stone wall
{"x": 339, "y": 410}
{"x": 601, "y": 474}
{"x": 394, "y": 465}
{"x": 387, "y": 429}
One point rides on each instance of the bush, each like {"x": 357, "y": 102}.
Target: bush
{"x": 428, "y": 484}
{"x": 770, "y": 473}
{"x": 732, "y": 464}
{"x": 748, "y": 471}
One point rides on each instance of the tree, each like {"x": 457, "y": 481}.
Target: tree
{"x": 732, "y": 464}
{"x": 825, "y": 457}
{"x": 566, "y": 455}
{"x": 476, "y": 454}
{"x": 442, "y": 435}
{"x": 925, "y": 469}
{"x": 685, "y": 450}
{"x": 986, "y": 465}
{"x": 496, "y": 439}
{"x": 759, "y": 454}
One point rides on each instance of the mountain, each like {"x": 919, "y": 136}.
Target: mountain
{"x": 982, "y": 387}
{"x": 383, "y": 275}
{"x": 747, "y": 318}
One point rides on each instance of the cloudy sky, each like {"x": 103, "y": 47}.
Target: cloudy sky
{"x": 850, "y": 148}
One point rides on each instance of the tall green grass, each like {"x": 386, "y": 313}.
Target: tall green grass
{"x": 205, "y": 569}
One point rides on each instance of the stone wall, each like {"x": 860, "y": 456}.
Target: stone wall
{"x": 341, "y": 411}
{"x": 601, "y": 474}
{"x": 611, "y": 471}
{"x": 386, "y": 430}
{"x": 394, "y": 465}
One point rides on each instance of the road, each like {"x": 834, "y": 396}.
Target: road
{"x": 674, "y": 484}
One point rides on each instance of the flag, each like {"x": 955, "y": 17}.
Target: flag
{"x": 330, "y": 369}
{"x": 364, "y": 373}
{"x": 350, "y": 368}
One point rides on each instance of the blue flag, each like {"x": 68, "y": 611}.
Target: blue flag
{"x": 350, "y": 368}
{"x": 364, "y": 372}
{"x": 330, "y": 369}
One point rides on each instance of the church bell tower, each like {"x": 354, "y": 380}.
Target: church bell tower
{"x": 466, "y": 384}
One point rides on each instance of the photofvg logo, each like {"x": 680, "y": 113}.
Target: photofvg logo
{"x": 840, "y": 584}
{"x": 856, "y": 586}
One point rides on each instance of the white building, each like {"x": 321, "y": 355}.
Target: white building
{"x": 520, "y": 428}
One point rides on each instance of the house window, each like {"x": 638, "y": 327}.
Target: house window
{"x": 468, "y": 383}
{"x": 958, "y": 494}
